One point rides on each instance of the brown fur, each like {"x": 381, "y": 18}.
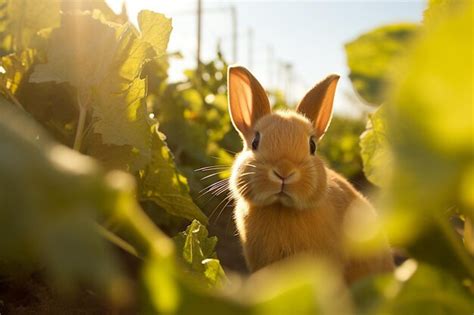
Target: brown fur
{"x": 305, "y": 212}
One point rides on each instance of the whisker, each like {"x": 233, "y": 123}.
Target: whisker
{"x": 227, "y": 198}
{"x": 213, "y": 174}
{"x": 222, "y": 189}
{"x": 211, "y": 167}
{"x": 251, "y": 165}
{"x": 248, "y": 173}
{"x": 213, "y": 186}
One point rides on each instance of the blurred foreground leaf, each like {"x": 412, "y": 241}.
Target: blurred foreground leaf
{"x": 50, "y": 199}
{"x": 22, "y": 19}
{"x": 431, "y": 132}
{"x": 370, "y": 58}
{"x": 421, "y": 289}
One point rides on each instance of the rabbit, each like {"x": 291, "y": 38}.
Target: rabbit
{"x": 286, "y": 201}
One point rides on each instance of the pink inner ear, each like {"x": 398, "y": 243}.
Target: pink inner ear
{"x": 317, "y": 105}
{"x": 244, "y": 92}
{"x": 247, "y": 100}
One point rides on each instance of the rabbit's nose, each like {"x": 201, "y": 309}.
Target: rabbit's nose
{"x": 283, "y": 176}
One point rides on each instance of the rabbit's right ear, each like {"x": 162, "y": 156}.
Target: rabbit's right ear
{"x": 248, "y": 101}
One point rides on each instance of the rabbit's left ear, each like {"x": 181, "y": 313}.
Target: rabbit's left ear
{"x": 318, "y": 103}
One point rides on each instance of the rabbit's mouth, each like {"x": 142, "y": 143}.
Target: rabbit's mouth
{"x": 284, "y": 198}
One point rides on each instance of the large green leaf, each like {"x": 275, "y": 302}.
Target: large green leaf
{"x": 80, "y": 52}
{"x": 162, "y": 183}
{"x": 49, "y": 201}
{"x": 431, "y": 135}
{"x": 106, "y": 75}
{"x": 374, "y": 149}
{"x": 370, "y": 58}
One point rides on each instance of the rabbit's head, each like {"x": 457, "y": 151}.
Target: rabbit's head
{"x": 279, "y": 162}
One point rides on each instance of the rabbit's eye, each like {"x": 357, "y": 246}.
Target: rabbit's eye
{"x": 256, "y": 141}
{"x": 312, "y": 146}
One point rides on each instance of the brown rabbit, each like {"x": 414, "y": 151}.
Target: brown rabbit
{"x": 286, "y": 200}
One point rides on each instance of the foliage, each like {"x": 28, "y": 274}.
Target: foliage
{"x": 198, "y": 251}
{"x": 438, "y": 133}
{"x": 427, "y": 288}
{"x": 418, "y": 148}
{"x": 374, "y": 148}
{"x": 371, "y": 55}
{"x": 94, "y": 74}
{"x": 73, "y": 223}
{"x": 54, "y": 197}
{"x": 340, "y": 146}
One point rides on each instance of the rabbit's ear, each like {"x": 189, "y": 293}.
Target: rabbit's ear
{"x": 318, "y": 102}
{"x": 248, "y": 101}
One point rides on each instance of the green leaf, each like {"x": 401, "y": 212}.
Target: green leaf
{"x": 24, "y": 18}
{"x": 422, "y": 289}
{"x": 298, "y": 286}
{"x": 162, "y": 183}
{"x": 80, "y": 52}
{"x": 430, "y": 131}
{"x": 340, "y": 147}
{"x": 104, "y": 62}
{"x": 49, "y": 209}
{"x": 370, "y": 58}
{"x": 374, "y": 149}
{"x": 438, "y": 9}
{"x": 121, "y": 117}
{"x": 155, "y": 29}
{"x": 91, "y": 5}
{"x": 198, "y": 251}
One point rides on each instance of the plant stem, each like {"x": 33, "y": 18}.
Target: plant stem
{"x": 80, "y": 125}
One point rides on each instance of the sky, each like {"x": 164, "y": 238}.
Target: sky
{"x": 292, "y": 44}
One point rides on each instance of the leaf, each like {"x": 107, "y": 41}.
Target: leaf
{"x": 91, "y": 5}
{"x": 104, "y": 62}
{"x": 438, "y": 9}
{"x": 374, "y": 149}
{"x": 298, "y": 286}
{"x": 53, "y": 196}
{"x": 155, "y": 29}
{"x": 121, "y": 108}
{"x": 430, "y": 131}
{"x": 163, "y": 184}
{"x": 371, "y": 56}
{"x": 198, "y": 251}
{"x": 80, "y": 52}
{"x": 427, "y": 290}
{"x": 26, "y": 17}
{"x": 340, "y": 148}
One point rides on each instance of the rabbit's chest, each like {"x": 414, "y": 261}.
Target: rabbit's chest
{"x": 271, "y": 234}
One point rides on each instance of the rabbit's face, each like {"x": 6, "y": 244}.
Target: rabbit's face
{"x": 279, "y": 163}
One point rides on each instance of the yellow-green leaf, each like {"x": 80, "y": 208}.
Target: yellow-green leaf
{"x": 370, "y": 58}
